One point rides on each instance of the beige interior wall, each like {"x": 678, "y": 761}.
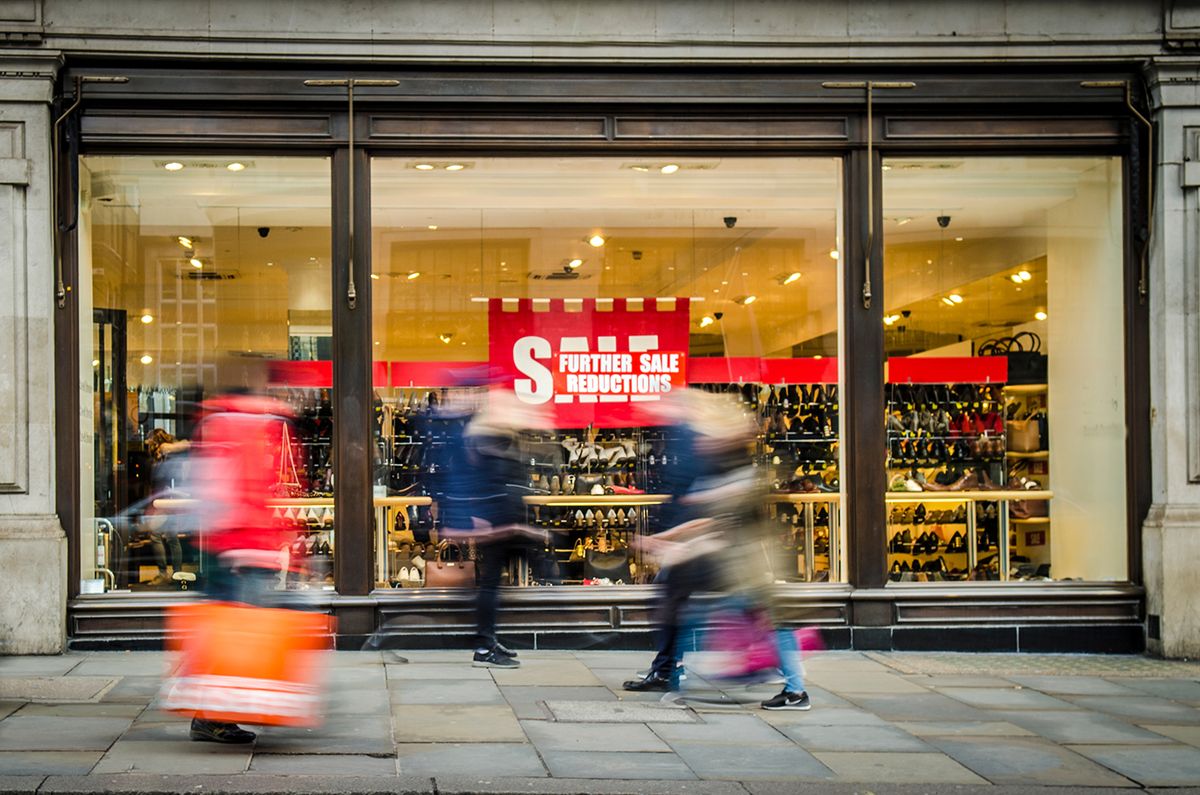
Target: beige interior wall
{"x": 87, "y": 473}
{"x": 1086, "y": 378}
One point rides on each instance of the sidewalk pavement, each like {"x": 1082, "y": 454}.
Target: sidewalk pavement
{"x": 880, "y": 723}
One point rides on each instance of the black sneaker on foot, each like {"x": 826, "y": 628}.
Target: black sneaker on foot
{"x": 501, "y": 649}
{"x": 214, "y": 732}
{"x": 788, "y": 700}
{"x": 493, "y": 658}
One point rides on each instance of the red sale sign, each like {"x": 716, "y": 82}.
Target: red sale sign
{"x": 595, "y": 361}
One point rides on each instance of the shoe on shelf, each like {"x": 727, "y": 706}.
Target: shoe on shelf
{"x": 504, "y": 651}
{"x": 788, "y": 700}
{"x": 650, "y": 681}
{"x": 215, "y": 732}
{"x": 493, "y": 658}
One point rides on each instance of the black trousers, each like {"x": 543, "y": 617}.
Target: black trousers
{"x": 677, "y": 583}
{"x": 490, "y": 565}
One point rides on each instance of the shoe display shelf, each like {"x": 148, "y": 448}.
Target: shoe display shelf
{"x": 810, "y": 526}
{"x": 1030, "y": 521}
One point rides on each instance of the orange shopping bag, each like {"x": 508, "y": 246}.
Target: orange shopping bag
{"x": 246, "y": 664}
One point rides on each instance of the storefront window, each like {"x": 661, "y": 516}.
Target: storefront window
{"x": 724, "y": 272}
{"x": 1005, "y": 379}
{"x": 199, "y": 275}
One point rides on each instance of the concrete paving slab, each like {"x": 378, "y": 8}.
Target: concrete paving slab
{"x": 560, "y": 672}
{"x": 616, "y": 765}
{"x": 630, "y": 661}
{"x": 750, "y": 762}
{"x": 49, "y": 665}
{"x": 101, "y": 710}
{"x": 1074, "y": 685}
{"x": 528, "y": 702}
{"x": 843, "y": 683}
{"x": 48, "y": 763}
{"x": 160, "y": 727}
{"x": 844, "y": 662}
{"x": 1140, "y": 708}
{"x": 176, "y": 758}
{"x": 1152, "y": 767}
{"x": 1189, "y": 735}
{"x": 603, "y": 737}
{"x": 618, "y": 712}
{"x": 918, "y": 706}
{"x": 1005, "y": 698}
{"x": 157, "y": 784}
{"x": 823, "y": 717}
{"x": 1027, "y": 762}
{"x": 425, "y": 671}
{"x": 445, "y": 691}
{"x": 55, "y": 689}
{"x": 992, "y": 728}
{"x": 323, "y": 765}
{"x": 429, "y": 723}
{"x": 350, "y": 702}
{"x": 21, "y": 785}
{"x": 956, "y": 680}
{"x": 124, "y": 663}
{"x": 1078, "y": 726}
{"x": 911, "y": 768}
{"x": 1183, "y": 690}
{"x": 355, "y": 676}
{"x": 470, "y": 759}
{"x": 480, "y": 785}
{"x": 134, "y": 690}
{"x": 43, "y": 733}
{"x": 368, "y": 734}
{"x": 9, "y": 707}
{"x": 742, "y": 729}
{"x": 855, "y": 738}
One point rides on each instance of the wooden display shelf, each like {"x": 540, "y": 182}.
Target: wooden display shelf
{"x": 1031, "y": 520}
{"x": 1037, "y": 455}
{"x": 969, "y": 496}
{"x": 806, "y": 496}
{"x": 594, "y": 500}
{"x": 180, "y": 503}
{"x": 1026, "y": 389}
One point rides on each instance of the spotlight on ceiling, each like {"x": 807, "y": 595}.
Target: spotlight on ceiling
{"x": 575, "y": 263}
{"x": 1039, "y": 315}
{"x": 596, "y": 241}
{"x": 185, "y": 241}
{"x": 706, "y": 321}
{"x": 745, "y": 300}
{"x": 445, "y": 337}
{"x": 791, "y": 277}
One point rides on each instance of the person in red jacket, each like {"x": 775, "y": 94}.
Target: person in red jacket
{"x": 236, "y": 468}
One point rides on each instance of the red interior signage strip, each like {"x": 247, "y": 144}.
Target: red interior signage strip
{"x": 947, "y": 370}
{"x": 755, "y": 370}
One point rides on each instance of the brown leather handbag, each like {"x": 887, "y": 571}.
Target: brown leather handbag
{"x": 1024, "y": 436}
{"x": 450, "y": 568}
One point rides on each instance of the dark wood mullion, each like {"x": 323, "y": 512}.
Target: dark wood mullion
{"x": 865, "y": 477}
{"x": 67, "y": 408}
{"x": 352, "y": 401}
{"x": 1137, "y": 347}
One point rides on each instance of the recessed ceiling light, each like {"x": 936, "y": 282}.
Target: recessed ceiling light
{"x": 887, "y": 168}
{"x": 669, "y": 168}
{"x": 424, "y": 166}
{"x": 413, "y": 275}
{"x": 716, "y": 291}
{"x": 196, "y": 263}
{"x": 928, "y": 262}
{"x": 432, "y": 227}
{"x": 745, "y": 300}
{"x": 1016, "y": 278}
{"x": 902, "y": 221}
{"x": 723, "y": 282}
{"x": 958, "y": 239}
{"x": 445, "y": 337}
{"x": 596, "y": 241}
{"x": 890, "y": 319}
{"x": 174, "y": 165}
{"x": 946, "y": 300}
{"x": 270, "y": 264}
{"x": 376, "y": 342}
{"x": 235, "y": 166}
{"x": 1039, "y": 315}
{"x": 455, "y": 167}
{"x": 184, "y": 241}
{"x": 833, "y": 253}
{"x": 375, "y": 276}
{"x": 791, "y": 277}
{"x": 575, "y": 263}
{"x": 640, "y": 168}
{"x": 818, "y": 356}
{"x": 956, "y": 298}
{"x": 147, "y": 318}
{"x": 706, "y": 321}
{"x": 95, "y": 362}
{"x": 1025, "y": 275}
{"x": 146, "y": 358}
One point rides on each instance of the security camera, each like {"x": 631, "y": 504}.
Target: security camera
{"x": 943, "y": 221}
{"x": 263, "y": 231}
{"x": 730, "y": 221}
{"x": 636, "y": 254}
{"x": 718, "y": 315}
{"x": 906, "y": 312}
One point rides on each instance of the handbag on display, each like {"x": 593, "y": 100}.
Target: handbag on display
{"x": 613, "y": 565}
{"x": 1026, "y": 362}
{"x": 589, "y": 484}
{"x": 449, "y": 568}
{"x": 1024, "y": 436}
{"x": 402, "y": 531}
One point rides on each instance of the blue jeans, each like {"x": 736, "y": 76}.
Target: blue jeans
{"x": 789, "y": 659}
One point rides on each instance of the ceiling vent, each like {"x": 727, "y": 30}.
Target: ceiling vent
{"x": 560, "y": 276}
{"x": 211, "y": 276}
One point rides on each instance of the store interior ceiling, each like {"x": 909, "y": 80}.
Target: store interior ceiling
{"x": 717, "y": 230}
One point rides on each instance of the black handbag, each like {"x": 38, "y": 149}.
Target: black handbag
{"x": 1026, "y": 362}
{"x": 586, "y": 484}
{"x": 613, "y": 565}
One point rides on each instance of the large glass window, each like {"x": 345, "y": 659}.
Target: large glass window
{"x": 199, "y": 275}
{"x": 729, "y": 265}
{"x": 1004, "y": 334}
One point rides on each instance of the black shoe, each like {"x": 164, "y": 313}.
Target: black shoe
{"x": 492, "y": 658}
{"x": 214, "y": 732}
{"x": 503, "y": 650}
{"x": 788, "y": 700}
{"x": 651, "y": 681}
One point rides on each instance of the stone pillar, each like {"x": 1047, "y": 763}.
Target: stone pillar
{"x": 1171, "y": 533}
{"x": 33, "y": 546}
